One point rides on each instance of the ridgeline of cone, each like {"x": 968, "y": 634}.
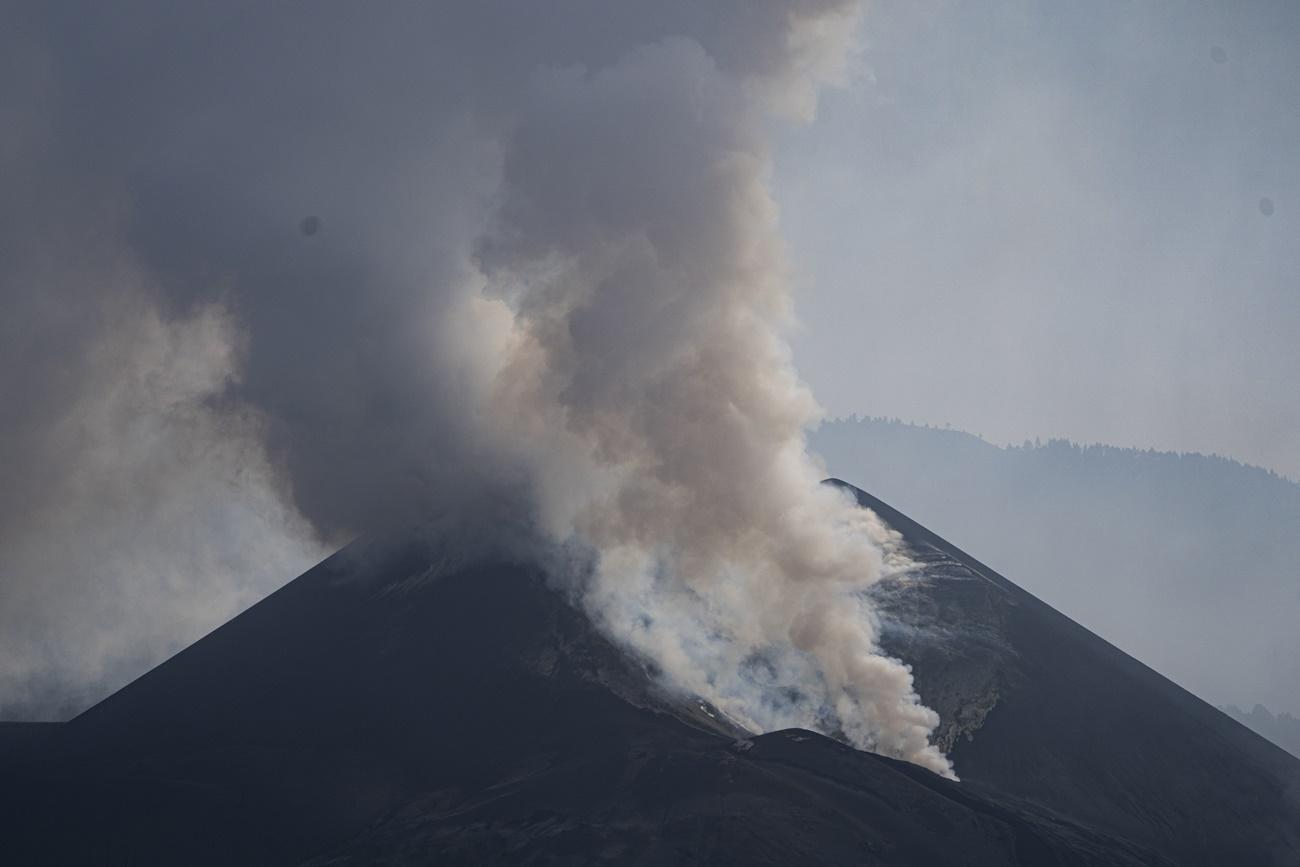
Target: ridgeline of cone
{"x": 381, "y": 710}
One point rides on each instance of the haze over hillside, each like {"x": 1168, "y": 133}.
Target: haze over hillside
{"x": 1282, "y": 729}
{"x": 1188, "y": 562}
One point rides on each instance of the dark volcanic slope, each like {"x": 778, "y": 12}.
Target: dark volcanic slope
{"x": 1039, "y": 709}
{"x": 389, "y": 708}
{"x": 376, "y": 711}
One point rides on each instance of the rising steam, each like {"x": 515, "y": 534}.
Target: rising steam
{"x": 543, "y": 266}
{"x": 637, "y": 250}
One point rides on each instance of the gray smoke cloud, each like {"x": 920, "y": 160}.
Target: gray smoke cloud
{"x": 301, "y": 272}
{"x": 138, "y": 507}
{"x": 637, "y": 259}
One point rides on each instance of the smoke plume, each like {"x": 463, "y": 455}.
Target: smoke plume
{"x": 510, "y": 262}
{"x": 637, "y": 249}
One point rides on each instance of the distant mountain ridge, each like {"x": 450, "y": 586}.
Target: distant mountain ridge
{"x": 1190, "y": 563}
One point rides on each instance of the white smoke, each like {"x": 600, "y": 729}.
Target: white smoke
{"x": 546, "y": 269}
{"x": 638, "y": 296}
{"x": 162, "y": 519}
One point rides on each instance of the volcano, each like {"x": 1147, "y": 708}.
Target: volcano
{"x": 392, "y": 706}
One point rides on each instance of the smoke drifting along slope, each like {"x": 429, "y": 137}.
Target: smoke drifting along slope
{"x": 544, "y": 268}
{"x": 636, "y": 248}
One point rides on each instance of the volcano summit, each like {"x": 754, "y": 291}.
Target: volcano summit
{"x": 388, "y": 708}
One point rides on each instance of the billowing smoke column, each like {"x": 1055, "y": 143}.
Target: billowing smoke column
{"x": 512, "y": 262}
{"x": 637, "y": 246}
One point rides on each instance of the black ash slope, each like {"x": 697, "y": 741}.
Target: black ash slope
{"x": 383, "y": 709}
{"x": 1038, "y": 709}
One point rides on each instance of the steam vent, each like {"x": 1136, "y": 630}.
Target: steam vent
{"x": 385, "y": 708}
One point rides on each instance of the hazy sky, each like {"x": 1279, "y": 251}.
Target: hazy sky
{"x": 239, "y": 244}
{"x": 1048, "y": 219}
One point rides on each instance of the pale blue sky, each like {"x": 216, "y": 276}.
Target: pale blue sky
{"x": 1046, "y": 220}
